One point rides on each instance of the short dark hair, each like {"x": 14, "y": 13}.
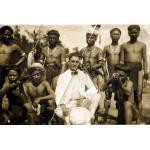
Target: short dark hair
{"x": 53, "y": 32}
{"x": 75, "y": 54}
{"x": 130, "y": 27}
{"x": 4, "y": 28}
{"x": 115, "y": 29}
{"x": 15, "y": 68}
{"x": 123, "y": 67}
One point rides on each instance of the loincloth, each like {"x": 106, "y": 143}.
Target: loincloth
{"x": 111, "y": 69}
{"x": 52, "y": 71}
{"x": 133, "y": 74}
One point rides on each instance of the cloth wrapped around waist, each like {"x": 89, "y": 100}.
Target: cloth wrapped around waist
{"x": 52, "y": 71}
{"x": 134, "y": 70}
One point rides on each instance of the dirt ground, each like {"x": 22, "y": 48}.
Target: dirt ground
{"x": 113, "y": 112}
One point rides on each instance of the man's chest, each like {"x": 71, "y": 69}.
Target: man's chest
{"x": 90, "y": 55}
{"x": 52, "y": 53}
{"x": 133, "y": 48}
{"x": 6, "y": 49}
{"x": 36, "y": 91}
{"x": 113, "y": 50}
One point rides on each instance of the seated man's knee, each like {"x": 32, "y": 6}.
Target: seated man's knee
{"x": 28, "y": 106}
{"x": 58, "y": 111}
{"x": 52, "y": 103}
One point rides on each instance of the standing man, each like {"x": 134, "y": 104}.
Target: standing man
{"x": 112, "y": 52}
{"x": 53, "y": 57}
{"x": 8, "y": 51}
{"x": 112, "y": 55}
{"x": 75, "y": 89}
{"x": 92, "y": 58}
{"x": 133, "y": 53}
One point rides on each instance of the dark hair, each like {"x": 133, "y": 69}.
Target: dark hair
{"x": 15, "y": 68}
{"x": 130, "y": 27}
{"x": 4, "y": 28}
{"x": 115, "y": 29}
{"x": 53, "y": 32}
{"x": 75, "y": 54}
{"x": 123, "y": 67}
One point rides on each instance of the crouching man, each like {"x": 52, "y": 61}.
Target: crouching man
{"x": 40, "y": 94}
{"x": 124, "y": 95}
{"x": 75, "y": 92}
{"x": 19, "y": 109}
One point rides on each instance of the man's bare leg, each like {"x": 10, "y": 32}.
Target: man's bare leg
{"x": 128, "y": 114}
{"x": 139, "y": 95}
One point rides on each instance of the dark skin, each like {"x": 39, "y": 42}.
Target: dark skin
{"x": 92, "y": 58}
{"x": 111, "y": 57}
{"x": 35, "y": 90}
{"x": 54, "y": 55}
{"x": 8, "y": 48}
{"x": 11, "y": 83}
{"x": 136, "y": 52}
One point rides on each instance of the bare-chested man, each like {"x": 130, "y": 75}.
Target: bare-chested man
{"x": 112, "y": 55}
{"x": 8, "y": 51}
{"x": 53, "y": 57}
{"x": 133, "y": 53}
{"x": 39, "y": 92}
{"x": 19, "y": 109}
{"x": 92, "y": 59}
{"x": 122, "y": 86}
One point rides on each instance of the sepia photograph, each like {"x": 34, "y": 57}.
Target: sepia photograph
{"x": 95, "y": 74}
{"x": 74, "y": 74}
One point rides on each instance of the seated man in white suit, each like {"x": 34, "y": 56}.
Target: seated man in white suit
{"x": 75, "y": 91}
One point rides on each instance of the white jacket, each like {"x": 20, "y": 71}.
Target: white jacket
{"x": 86, "y": 87}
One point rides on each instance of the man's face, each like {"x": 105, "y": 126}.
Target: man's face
{"x": 90, "y": 39}
{"x": 13, "y": 76}
{"x": 133, "y": 33}
{"x": 74, "y": 63}
{"x": 37, "y": 76}
{"x": 53, "y": 39}
{"x": 122, "y": 75}
{"x": 7, "y": 35}
{"x": 115, "y": 35}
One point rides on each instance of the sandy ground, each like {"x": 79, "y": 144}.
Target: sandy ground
{"x": 113, "y": 112}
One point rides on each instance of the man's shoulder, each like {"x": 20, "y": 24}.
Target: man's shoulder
{"x": 97, "y": 48}
{"x": 107, "y": 47}
{"x": 130, "y": 82}
{"x": 44, "y": 48}
{"x": 83, "y": 49}
{"x": 141, "y": 43}
{"x": 27, "y": 84}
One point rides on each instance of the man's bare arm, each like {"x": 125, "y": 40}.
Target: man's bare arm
{"x": 21, "y": 53}
{"x": 104, "y": 52}
{"x": 128, "y": 88}
{"x": 63, "y": 61}
{"x": 50, "y": 95}
{"x": 122, "y": 54}
{"x": 4, "y": 89}
{"x": 145, "y": 63}
{"x": 42, "y": 58}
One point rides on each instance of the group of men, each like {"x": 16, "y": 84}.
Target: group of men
{"x": 59, "y": 90}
